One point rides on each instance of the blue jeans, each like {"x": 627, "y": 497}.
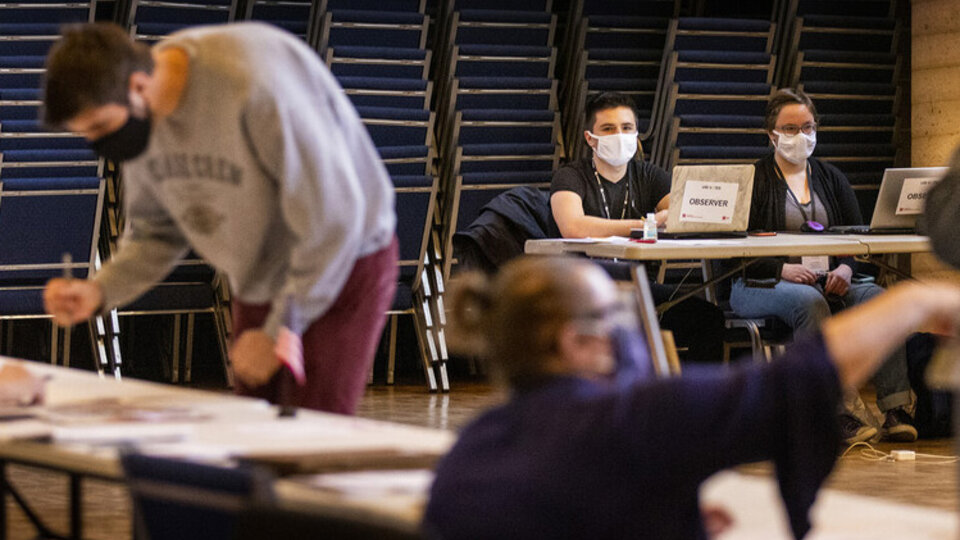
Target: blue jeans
{"x": 803, "y": 308}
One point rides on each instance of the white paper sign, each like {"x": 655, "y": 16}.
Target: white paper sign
{"x": 913, "y": 195}
{"x": 816, "y": 264}
{"x": 708, "y": 202}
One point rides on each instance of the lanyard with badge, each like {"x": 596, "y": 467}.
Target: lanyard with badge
{"x": 603, "y": 194}
{"x": 819, "y": 264}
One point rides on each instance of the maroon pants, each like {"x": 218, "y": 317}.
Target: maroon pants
{"x": 338, "y": 348}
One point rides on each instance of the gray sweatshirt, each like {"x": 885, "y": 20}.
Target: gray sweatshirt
{"x": 265, "y": 170}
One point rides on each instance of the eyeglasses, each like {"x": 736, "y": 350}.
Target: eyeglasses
{"x": 793, "y": 129}
{"x": 600, "y": 321}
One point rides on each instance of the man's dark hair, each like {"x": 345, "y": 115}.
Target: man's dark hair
{"x": 604, "y": 101}
{"x": 90, "y": 66}
{"x": 782, "y": 98}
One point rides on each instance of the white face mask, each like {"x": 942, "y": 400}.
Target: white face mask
{"x": 617, "y": 149}
{"x": 796, "y": 148}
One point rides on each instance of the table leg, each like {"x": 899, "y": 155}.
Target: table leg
{"x": 76, "y": 507}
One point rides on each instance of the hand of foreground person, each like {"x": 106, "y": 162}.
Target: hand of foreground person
{"x": 254, "y": 358}
{"x": 798, "y": 273}
{"x": 716, "y": 520}
{"x": 860, "y": 338}
{"x": 20, "y": 387}
{"x": 71, "y": 301}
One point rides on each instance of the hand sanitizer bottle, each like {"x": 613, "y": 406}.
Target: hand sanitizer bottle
{"x": 650, "y": 227}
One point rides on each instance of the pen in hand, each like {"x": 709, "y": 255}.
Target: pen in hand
{"x": 67, "y": 260}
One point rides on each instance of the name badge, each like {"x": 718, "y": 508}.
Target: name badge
{"x": 913, "y": 195}
{"x": 709, "y": 202}
{"x": 816, "y": 264}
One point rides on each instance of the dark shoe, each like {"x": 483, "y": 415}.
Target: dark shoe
{"x": 898, "y": 426}
{"x": 852, "y": 430}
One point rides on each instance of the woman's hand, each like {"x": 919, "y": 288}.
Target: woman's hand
{"x": 838, "y": 280}
{"x": 798, "y": 273}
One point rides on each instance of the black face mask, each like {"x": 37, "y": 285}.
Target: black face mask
{"x": 125, "y": 143}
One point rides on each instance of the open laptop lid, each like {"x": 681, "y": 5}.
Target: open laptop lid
{"x": 901, "y": 197}
{"x": 710, "y": 198}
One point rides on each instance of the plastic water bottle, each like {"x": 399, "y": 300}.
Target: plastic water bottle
{"x": 650, "y": 227}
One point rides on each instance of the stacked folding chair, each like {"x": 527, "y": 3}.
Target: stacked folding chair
{"x": 379, "y": 53}
{"x": 499, "y": 123}
{"x": 613, "y": 47}
{"x": 845, "y": 57}
{"x": 193, "y": 287}
{"x": 718, "y": 78}
{"x": 151, "y": 20}
{"x": 51, "y": 190}
{"x": 294, "y": 16}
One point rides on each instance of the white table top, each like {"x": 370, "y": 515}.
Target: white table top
{"x": 218, "y": 426}
{"x": 784, "y": 244}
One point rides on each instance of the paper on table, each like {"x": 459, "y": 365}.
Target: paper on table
{"x": 24, "y": 429}
{"x": 373, "y": 483}
{"x": 757, "y": 511}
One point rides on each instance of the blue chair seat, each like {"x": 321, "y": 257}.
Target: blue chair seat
{"x": 856, "y": 150}
{"x": 722, "y": 24}
{"x": 504, "y": 16}
{"x": 412, "y": 181}
{"x": 507, "y": 177}
{"x": 50, "y": 184}
{"x": 616, "y": 21}
{"x": 721, "y": 121}
{"x": 394, "y": 113}
{"x": 531, "y": 149}
{"x": 22, "y": 302}
{"x": 724, "y": 88}
{"x": 504, "y": 50}
{"x": 401, "y": 152}
{"x": 857, "y": 120}
{"x": 15, "y": 156}
{"x": 29, "y": 29}
{"x": 526, "y": 83}
{"x": 502, "y": 5}
{"x": 21, "y": 62}
{"x": 831, "y": 87}
{"x": 507, "y": 115}
{"x": 20, "y": 94}
{"x": 623, "y": 85}
{"x": 724, "y": 57}
{"x": 386, "y": 53}
{"x": 723, "y": 152}
{"x": 849, "y": 57}
{"x": 376, "y": 17}
{"x": 833, "y": 21}
{"x": 388, "y": 83}
{"x": 174, "y": 296}
{"x": 625, "y": 55}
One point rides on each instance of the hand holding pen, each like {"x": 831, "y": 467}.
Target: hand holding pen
{"x": 71, "y": 301}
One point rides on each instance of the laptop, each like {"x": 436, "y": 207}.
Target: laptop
{"x": 709, "y": 201}
{"x": 899, "y": 203}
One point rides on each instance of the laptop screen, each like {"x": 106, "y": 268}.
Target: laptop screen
{"x": 901, "y": 197}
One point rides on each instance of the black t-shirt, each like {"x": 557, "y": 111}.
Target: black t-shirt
{"x": 647, "y": 185}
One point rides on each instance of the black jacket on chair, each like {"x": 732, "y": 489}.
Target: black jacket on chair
{"x": 503, "y": 227}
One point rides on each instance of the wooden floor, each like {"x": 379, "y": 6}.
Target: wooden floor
{"x": 107, "y": 510}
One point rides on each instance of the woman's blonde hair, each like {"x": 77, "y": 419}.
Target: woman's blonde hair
{"x": 514, "y": 318}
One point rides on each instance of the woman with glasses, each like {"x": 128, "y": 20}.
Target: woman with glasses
{"x": 793, "y": 191}
{"x": 588, "y": 447}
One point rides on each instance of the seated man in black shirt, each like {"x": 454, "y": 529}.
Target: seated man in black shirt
{"x": 610, "y": 192}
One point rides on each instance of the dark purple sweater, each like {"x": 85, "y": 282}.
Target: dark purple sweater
{"x": 573, "y": 458}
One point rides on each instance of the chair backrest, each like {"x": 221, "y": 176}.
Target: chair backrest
{"x": 179, "y": 500}
{"x": 41, "y": 220}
